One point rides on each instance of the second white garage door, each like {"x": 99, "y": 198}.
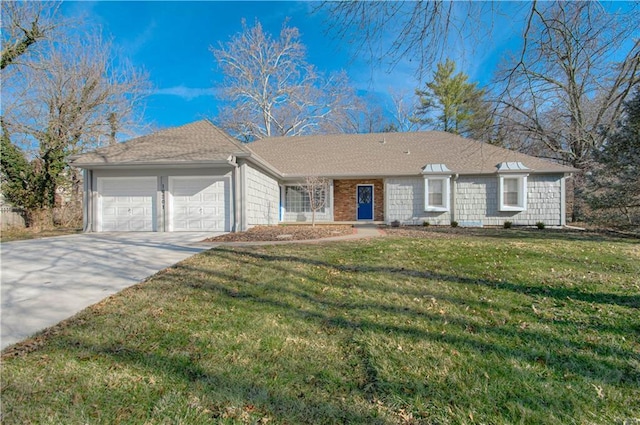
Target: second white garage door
{"x": 198, "y": 204}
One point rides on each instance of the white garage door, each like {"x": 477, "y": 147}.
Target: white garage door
{"x": 198, "y": 204}
{"x": 127, "y": 204}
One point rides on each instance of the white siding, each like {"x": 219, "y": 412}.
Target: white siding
{"x": 476, "y": 202}
{"x": 262, "y": 199}
{"x": 405, "y": 203}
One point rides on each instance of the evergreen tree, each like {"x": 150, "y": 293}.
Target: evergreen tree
{"x": 30, "y": 184}
{"x": 461, "y": 105}
{"x": 17, "y": 173}
{"x": 615, "y": 184}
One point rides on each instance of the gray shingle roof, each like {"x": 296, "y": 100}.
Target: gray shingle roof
{"x": 337, "y": 155}
{"x": 389, "y": 154}
{"x": 200, "y": 141}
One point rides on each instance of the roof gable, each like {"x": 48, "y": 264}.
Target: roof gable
{"x": 197, "y": 142}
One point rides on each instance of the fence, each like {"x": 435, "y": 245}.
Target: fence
{"x": 11, "y": 217}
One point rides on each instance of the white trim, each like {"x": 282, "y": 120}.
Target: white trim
{"x": 244, "y": 225}
{"x": 446, "y": 193}
{"x": 522, "y": 192}
{"x": 373, "y": 204}
{"x": 282, "y": 209}
{"x": 330, "y": 200}
{"x": 454, "y": 190}
{"x": 563, "y": 201}
{"x": 385, "y": 190}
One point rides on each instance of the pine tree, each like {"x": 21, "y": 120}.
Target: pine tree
{"x": 461, "y": 105}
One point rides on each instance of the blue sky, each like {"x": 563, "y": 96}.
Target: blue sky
{"x": 172, "y": 41}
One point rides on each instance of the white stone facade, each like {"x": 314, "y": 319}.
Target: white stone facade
{"x": 474, "y": 202}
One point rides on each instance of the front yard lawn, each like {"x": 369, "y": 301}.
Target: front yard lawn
{"x": 457, "y": 330}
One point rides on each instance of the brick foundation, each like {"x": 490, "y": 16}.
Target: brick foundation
{"x": 344, "y": 195}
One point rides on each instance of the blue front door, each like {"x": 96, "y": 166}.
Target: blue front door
{"x": 365, "y": 202}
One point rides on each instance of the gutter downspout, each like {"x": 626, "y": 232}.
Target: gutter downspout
{"x": 563, "y": 199}
{"x": 85, "y": 197}
{"x": 243, "y": 194}
{"x": 88, "y": 198}
{"x": 454, "y": 189}
{"x": 236, "y": 197}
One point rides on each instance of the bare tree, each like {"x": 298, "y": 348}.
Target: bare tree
{"x": 364, "y": 115}
{"x": 271, "y": 90}
{"x": 565, "y": 91}
{"x": 75, "y": 95}
{"x": 403, "y": 107}
{"x": 317, "y": 190}
{"x": 578, "y": 65}
{"x": 71, "y": 95}
{"x": 419, "y": 31}
{"x": 23, "y": 25}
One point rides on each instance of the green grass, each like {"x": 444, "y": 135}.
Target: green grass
{"x": 495, "y": 329}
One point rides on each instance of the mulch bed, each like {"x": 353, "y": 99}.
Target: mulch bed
{"x": 285, "y": 233}
{"x": 321, "y": 231}
{"x": 420, "y": 232}
{"x": 446, "y": 232}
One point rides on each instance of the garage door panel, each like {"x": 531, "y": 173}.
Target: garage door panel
{"x": 211, "y": 197}
{"x": 127, "y": 204}
{"x": 199, "y": 203}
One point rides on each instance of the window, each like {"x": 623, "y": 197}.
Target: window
{"x": 436, "y": 193}
{"x": 296, "y": 200}
{"x": 513, "y": 193}
{"x": 510, "y": 192}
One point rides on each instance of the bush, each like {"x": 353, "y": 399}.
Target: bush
{"x": 507, "y": 225}
{"x": 540, "y": 225}
{"x": 454, "y": 224}
{"x": 426, "y": 223}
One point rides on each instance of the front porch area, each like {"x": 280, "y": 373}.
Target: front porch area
{"x": 358, "y": 200}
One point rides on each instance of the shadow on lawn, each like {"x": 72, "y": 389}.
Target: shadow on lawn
{"x": 632, "y": 301}
{"x": 588, "y": 359}
{"x": 524, "y": 234}
{"x": 311, "y": 402}
{"x": 232, "y": 388}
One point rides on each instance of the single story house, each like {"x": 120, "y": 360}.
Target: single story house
{"x": 197, "y": 177}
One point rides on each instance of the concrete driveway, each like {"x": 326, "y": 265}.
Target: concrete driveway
{"x": 47, "y": 280}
